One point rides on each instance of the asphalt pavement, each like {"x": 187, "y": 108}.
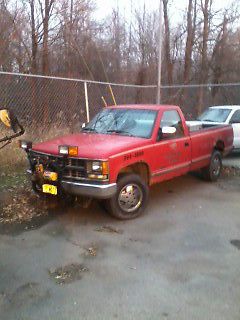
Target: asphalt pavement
{"x": 179, "y": 261}
{"x": 233, "y": 160}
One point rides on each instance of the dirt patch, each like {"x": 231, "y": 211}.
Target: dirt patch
{"x": 230, "y": 172}
{"x": 67, "y": 274}
{"x": 230, "y": 179}
{"x": 18, "y": 202}
{"x": 108, "y": 229}
{"x": 21, "y": 206}
{"x": 91, "y": 251}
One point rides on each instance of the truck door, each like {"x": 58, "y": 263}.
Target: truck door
{"x": 173, "y": 151}
{"x": 235, "y": 121}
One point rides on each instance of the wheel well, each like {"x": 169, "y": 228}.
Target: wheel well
{"x": 220, "y": 146}
{"x": 139, "y": 168}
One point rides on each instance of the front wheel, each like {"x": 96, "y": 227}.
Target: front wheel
{"x": 130, "y": 199}
{"x": 213, "y": 171}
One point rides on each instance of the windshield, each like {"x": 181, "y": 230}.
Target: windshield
{"x": 215, "y": 115}
{"x": 128, "y": 122}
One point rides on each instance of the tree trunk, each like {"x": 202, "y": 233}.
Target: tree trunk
{"x": 219, "y": 58}
{"x": 34, "y": 39}
{"x": 167, "y": 44}
{"x": 45, "y": 55}
{"x": 191, "y": 26}
{"x": 191, "y": 29}
{"x": 206, "y": 9}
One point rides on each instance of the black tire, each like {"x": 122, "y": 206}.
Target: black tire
{"x": 138, "y": 189}
{"x": 213, "y": 171}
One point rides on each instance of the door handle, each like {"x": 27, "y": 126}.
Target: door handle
{"x": 186, "y": 144}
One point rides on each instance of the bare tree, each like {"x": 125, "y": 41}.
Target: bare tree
{"x": 206, "y": 7}
{"x": 167, "y": 44}
{"x": 191, "y": 28}
{"x": 63, "y": 37}
{"x": 48, "y": 5}
{"x": 34, "y": 37}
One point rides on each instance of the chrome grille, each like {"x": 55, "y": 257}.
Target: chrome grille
{"x": 75, "y": 169}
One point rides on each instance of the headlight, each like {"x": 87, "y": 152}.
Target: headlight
{"x": 97, "y": 166}
{"x": 68, "y": 151}
{"x": 25, "y": 145}
{"x": 98, "y": 170}
{"x": 63, "y": 150}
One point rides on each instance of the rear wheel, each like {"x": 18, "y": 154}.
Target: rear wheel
{"x": 213, "y": 171}
{"x": 131, "y": 198}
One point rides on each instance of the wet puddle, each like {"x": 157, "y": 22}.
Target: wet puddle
{"x": 236, "y": 243}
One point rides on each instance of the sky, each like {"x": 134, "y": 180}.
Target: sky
{"x": 104, "y": 7}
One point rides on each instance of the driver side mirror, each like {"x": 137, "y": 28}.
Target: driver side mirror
{"x": 166, "y": 132}
{"x": 9, "y": 120}
{"x": 169, "y": 130}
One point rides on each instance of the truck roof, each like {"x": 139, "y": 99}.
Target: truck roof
{"x": 144, "y": 106}
{"x": 233, "y": 107}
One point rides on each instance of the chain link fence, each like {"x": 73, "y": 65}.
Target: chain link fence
{"x": 50, "y": 106}
{"x": 59, "y": 105}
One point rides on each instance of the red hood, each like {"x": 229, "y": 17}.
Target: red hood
{"x": 92, "y": 146}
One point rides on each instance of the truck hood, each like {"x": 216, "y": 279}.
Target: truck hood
{"x": 92, "y": 146}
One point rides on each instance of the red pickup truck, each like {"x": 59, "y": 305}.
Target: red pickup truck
{"x": 122, "y": 152}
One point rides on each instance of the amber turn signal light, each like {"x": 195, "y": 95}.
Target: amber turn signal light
{"x": 105, "y": 168}
{"x": 73, "y": 151}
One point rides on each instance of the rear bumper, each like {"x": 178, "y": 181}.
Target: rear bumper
{"x": 104, "y": 191}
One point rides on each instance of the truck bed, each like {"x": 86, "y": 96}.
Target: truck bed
{"x": 205, "y": 138}
{"x": 194, "y": 126}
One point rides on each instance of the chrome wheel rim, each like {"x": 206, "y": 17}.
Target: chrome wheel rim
{"x": 130, "y": 198}
{"x": 216, "y": 166}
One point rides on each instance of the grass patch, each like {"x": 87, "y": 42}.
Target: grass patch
{"x": 12, "y": 157}
{"x": 13, "y": 178}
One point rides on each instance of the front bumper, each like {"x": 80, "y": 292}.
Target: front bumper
{"x": 104, "y": 191}
{"x": 92, "y": 190}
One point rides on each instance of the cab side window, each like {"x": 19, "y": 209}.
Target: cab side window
{"x": 171, "y": 118}
{"x": 236, "y": 117}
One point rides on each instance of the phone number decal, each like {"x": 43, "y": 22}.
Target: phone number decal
{"x": 133, "y": 155}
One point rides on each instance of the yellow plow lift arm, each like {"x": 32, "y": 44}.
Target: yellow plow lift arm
{"x": 4, "y": 117}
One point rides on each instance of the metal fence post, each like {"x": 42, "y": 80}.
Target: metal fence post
{"x": 86, "y": 101}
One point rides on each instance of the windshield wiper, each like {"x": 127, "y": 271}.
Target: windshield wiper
{"x": 208, "y": 120}
{"x": 121, "y": 131}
